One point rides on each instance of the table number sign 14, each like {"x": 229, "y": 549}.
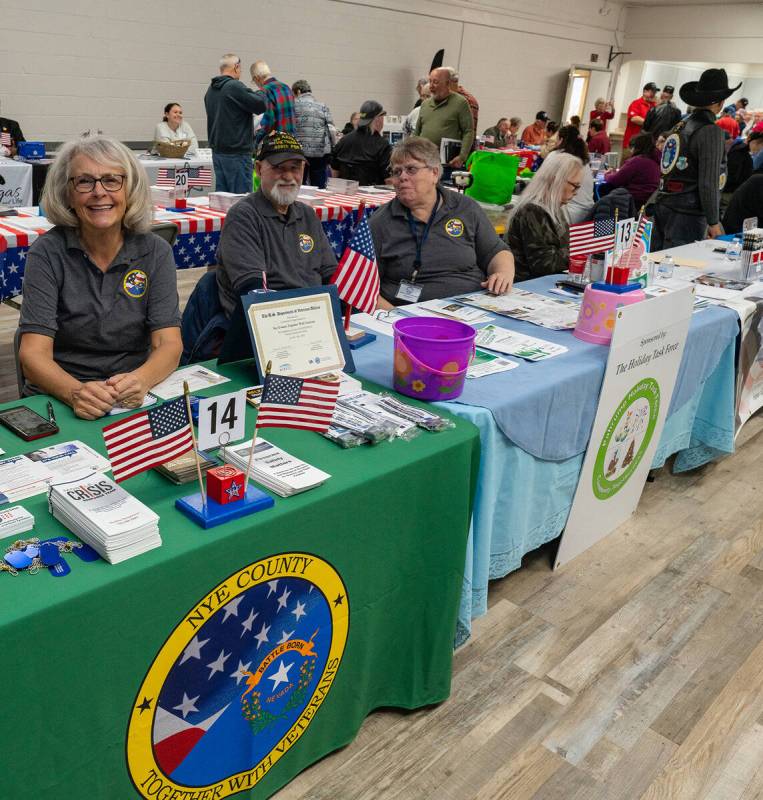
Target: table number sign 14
{"x": 222, "y": 419}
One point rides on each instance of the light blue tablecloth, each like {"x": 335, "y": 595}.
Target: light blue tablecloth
{"x": 535, "y": 422}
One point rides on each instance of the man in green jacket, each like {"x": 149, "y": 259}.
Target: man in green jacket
{"x": 446, "y": 115}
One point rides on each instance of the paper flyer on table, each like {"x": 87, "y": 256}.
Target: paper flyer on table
{"x": 528, "y": 307}
{"x": 198, "y": 378}
{"x": 70, "y": 461}
{"x": 514, "y": 344}
{"x": 20, "y": 477}
{"x": 485, "y": 363}
{"x": 447, "y": 308}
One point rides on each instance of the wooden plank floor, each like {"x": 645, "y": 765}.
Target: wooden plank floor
{"x": 634, "y": 673}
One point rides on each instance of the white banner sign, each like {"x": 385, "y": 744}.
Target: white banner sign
{"x": 15, "y": 183}
{"x": 647, "y": 345}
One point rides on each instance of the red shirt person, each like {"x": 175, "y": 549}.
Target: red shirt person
{"x": 638, "y": 110}
{"x": 602, "y": 110}
{"x": 729, "y": 124}
{"x": 599, "y": 141}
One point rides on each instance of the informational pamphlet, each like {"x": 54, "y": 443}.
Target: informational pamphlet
{"x": 447, "y": 308}
{"x": 275, "y": 469}
{"x": 105, "y": 516}
{"x": 538, "y": 309}
{"x": 20, "y": 477}
{"x": 485, "y": 363}
{"x": 148, "y": 400}
{"x": 198, "y": 378}
{"x": 527, "y": 347}
{"x": 70, "y": 461}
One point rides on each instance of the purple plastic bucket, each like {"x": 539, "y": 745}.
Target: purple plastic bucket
{"x": 431, "y": 357}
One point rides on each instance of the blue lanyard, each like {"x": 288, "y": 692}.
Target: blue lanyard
{"x": 420, "y": 241}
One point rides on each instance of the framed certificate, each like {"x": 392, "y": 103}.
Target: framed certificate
{"x": 299, "y": 331}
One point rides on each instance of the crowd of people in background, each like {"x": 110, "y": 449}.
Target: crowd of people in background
{"x": 269, "y": 139}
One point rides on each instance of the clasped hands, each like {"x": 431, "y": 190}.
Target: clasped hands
{"x": 94, "y": 399}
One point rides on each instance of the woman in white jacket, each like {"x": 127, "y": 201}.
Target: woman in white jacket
{"x": 172, "y": 128}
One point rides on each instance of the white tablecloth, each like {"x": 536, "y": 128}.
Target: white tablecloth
{"x": 15, "y": 183}
{"x": 153, "y": 164}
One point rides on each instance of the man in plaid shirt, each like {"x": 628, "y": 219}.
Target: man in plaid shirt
{"x": 280, "y": 99}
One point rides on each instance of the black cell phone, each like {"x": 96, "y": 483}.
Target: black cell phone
{"x": 27, "y": 424}
{"x": 571, "y": 286}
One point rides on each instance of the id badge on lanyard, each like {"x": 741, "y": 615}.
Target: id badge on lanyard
{"x": 408, "y": 290}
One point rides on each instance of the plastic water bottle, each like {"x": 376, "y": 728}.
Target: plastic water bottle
{"x": 734, "y": 249}
{"x": 665, "y": 270}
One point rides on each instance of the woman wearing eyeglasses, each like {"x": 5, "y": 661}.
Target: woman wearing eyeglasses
{"x": 100, "y": 321}
{"x": 539, "y": 227}
{"x": 431, "y": 242}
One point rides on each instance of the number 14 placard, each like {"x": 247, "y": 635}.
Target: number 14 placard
{"x": 222, "y": 419}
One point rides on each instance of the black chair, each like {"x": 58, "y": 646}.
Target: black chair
{"x": 166, "y": 230}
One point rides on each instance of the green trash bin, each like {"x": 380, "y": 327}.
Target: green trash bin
{"x": 495, "y": 175}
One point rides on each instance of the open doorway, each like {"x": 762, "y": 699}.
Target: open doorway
{"x": 584, "y": 86}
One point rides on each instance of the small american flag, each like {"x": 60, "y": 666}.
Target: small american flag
{"x": 592, "y": 237}
{"x": 357, "y": 276}
{"x": 5, "y": 138}
{"x": 199, "y": 176}
{"x": 166, "y": 177}
{"x": 149, "y": 438}
{"x": 297, "y": 403}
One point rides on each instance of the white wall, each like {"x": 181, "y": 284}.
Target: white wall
{"x": 75, "y": 64}
{"x": 718, "y": 34}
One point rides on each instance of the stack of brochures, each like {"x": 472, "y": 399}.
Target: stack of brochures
{"x": 183, "y": 468}
{"x": 102, "y": 514}
{"x": 275, "y": 469}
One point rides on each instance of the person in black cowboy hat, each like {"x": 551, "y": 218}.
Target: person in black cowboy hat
{"x": 363, "y": 155}
{"x": 693, "y": 166}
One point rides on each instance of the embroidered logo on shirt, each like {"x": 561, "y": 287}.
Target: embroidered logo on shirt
{"x": 306, "y": 243}
{"x": 454, "y": 227}
{"x": 135, "y": 283}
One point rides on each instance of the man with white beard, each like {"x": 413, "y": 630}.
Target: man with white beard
{"x": 270, "y": 240}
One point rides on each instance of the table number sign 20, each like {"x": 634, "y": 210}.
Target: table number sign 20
{"x": 222, "y": 419}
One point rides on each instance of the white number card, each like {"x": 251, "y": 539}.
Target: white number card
{"x": 221, "y": 419}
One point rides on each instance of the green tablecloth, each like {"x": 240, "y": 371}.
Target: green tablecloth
{"x": 385, "y": 541}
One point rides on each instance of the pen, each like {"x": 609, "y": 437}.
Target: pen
{"x": 51, "y": 413}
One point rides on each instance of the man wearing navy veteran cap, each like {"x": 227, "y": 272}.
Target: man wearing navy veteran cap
{"x": 693, "y": 166}
{"x": 270, "y": 233}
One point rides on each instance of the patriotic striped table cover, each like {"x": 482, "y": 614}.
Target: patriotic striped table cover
{"x": 198, "y": 233}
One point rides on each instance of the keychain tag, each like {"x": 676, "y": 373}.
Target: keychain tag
{"x": 60, "y": 569}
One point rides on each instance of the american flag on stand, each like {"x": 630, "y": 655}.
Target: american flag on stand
{"x": 5, "y": 138}
{"x": 302, "y": 403}
{"x": 166, "y": 177}
{"x": 147, "y": 439}
{"x": 199, "y": 176}
{"x": 592, "y": 237}
{"x": 357, "y": 276}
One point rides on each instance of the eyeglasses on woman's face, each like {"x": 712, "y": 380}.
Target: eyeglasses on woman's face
{"x": 407, "y": 169}
{"x": 86, "y": 183}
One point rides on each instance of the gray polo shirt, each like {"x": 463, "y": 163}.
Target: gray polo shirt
{"x": 292, "y": 250}
{"x": 454, "y": 258}
{"x": 100, "y": 322}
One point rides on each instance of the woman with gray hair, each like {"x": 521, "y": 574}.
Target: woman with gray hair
{"x": 538, "y": 231}
{"x": 100, "y": 322}
{"x": 431, "y": 242}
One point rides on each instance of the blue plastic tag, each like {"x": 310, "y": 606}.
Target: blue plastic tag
{"x": 85, "y": 553}
{"x": 49, "y": 554}
{"x": 32, "y": 551}
{"x": 60, "y": 569}
{"x": 17, "y": 559}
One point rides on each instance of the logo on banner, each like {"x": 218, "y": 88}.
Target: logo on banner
{"x": 454, "y": 227}
{"x": 306, "y": 243}
{"x": 626, "y": 438}
{"x": 135, "y": 283}
{"x": 239, "y": 679}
